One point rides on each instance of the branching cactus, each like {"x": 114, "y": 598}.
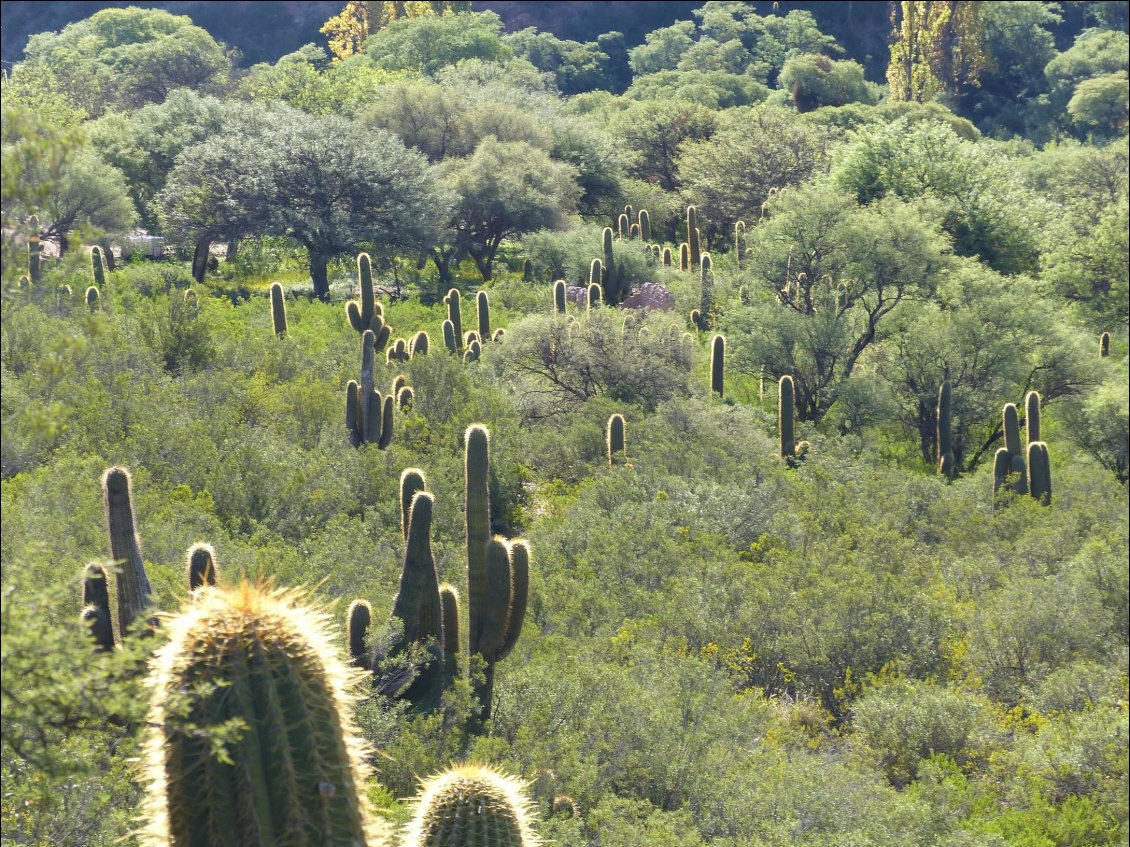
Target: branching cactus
{"x": 278, "y": 309}
{"x": 1018, "y": 466}
{"x": 132, "y": 583}
{"x": 694, "y": 244}
{"x": 96, "y": 613}
{"x": 471, "y": 806}
{"x": 717, "y": 365}
{"x": 418, "y": 604}
{"x": 482, "y": 301}
{"x": 263, "y": 670}
{"x": 200, "y": 566}
{"x": 945, "y": 429}
{"x": 366, "y": 314}
{"x": 98, "y": 266}
{"x": 616, "y": 441}
{"x": 559, "y": 297}
{"x": 454, "y": 303}
{"x": 645, "y": 225}
{"x": 358, "y": 618}
{"x": 34, "y": 251}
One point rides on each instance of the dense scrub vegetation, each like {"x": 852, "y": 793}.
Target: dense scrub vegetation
{"x": 807, "y": 407}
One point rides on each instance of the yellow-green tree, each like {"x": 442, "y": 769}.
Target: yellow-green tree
{"x": 348, "y": 30}
{"x": 936, "y": 47}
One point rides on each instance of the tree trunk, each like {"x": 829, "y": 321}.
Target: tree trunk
{"x": 319, "y": 275}
{"x": 233, "y": 249}
{"x": 107, "y": 254}
{"x": 200, "y": 258}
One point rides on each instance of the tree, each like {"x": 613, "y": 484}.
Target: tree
{"x": 814, "y": 81}
{"x": 125, "y": 58}
{"x": 348, "y": 29}
{"x": 654, "y": 131}
{"x": 504, "y": 189}
{"x": 938, "y": 48}
{"x": 325, "y": 182}
{"x": 577, "y": 67}
{"x": 802, "y": 322}
{"x": 430, "y": 43}
{"x": 307, "y": 80}
{"x": 662, "y": 49}
{"x": 1102, "y": 104}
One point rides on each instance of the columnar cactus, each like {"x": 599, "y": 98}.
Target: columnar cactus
{"x": 411, "y": 483}
{"x": 1017, "y": 465}
{"x": 483, "y": 303}
{"x": 717, "y": 365}
{"x": 132, "y": 583}
{"x": 527, "y": 271}
{"x": 1032, "y": 416}
{"x": 96, "y": 612}
{"x": 616, "y": 441}
{"x": 645, "y": 225}
{"x": 1039, "y": 472}
{"x": 945, "y": 430}
{"x": 405, "y": 398}
{"x": 559, "y": 297}
{"x": 694, "y": 244}
{"x": 449, "y": 600}
{"x": 471, "y": 806}
{"x": 421, "y": 343}
{"x": 592, "y": 300}
{"x": 387, "y": 410}
{"x": 278, "y": 309}
{"x": 200, "y": 566}
{"x": 91, "y": 298}
{"x": 499, "y": 334}
{"x": 684, "y": 257}
{"x": 1002, "y": 466}
{"x": 1104, "y": 345}
{"x": 634, "y": 232}
{"x": 34, "y": 251}
{"x": 786, "y": 416}
{"x": 623, "y": 227}
{"x": 418, "y": 603}
{"x": 473, "y": 352}
{"x": 353, "y": 422}
{"x": 366, "y": 314}
{"x": 449, "y": 337}
{"x": 98, "y": 266}
{"x": 668, "y": 258}
{"x": 295, "y": 774}
{"x": 358, "y": 618}
{"x": 455, "y": 311}
{"x": 706, "y": 303}
{"x": 739, "y": 242}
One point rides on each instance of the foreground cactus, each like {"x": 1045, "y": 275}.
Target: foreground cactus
{"x": 200, "y": 566}
{"x": 254, "y": 661}
{"x": 132, "y": 583}
{"x": 471, "y": 806}
{"x": 945, "y": 428}
{"x": 616, "y": 441}
{"x": 278, "y": 309}
{"x": 96, "y": 613}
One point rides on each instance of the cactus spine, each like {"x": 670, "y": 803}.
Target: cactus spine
{"x": 296, "y": 774}
{"x": 34, "y": 251}
{"x": 278, "y": 309}
{"x": 97, "y": 266}
{"x": 471, "y": 806}
{"x": 358, "y": 617}
{"x": 717, "y": 365}
{"x": 559, "y": 297}
{"x": 616, "y": 441}
{"x": 133, "y": 591}
{"x": 96, "y": 614}
{"x": 694, "y": 244}
{"x": 483, "y": 303}
{"x": 418, "y": 602}
{"x": 786, "y": 416}
{"x": 200, "y": 566}
{"x": 945, "y": 430}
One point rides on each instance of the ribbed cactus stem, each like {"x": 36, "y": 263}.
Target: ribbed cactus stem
{"x": 449, "y": 337}
{"x": 482, "y": 301}
{"x": 1104, "y": 345}
{"x": 411, "y": 482}
{"x": 706, "y": 279}
{"x": 200, "y": 566}
{"x": 405, "y": 398}
{"x": 616, "y": 440}
{"x": 668, "y": 259}
{"x": 684, "y": 257}
{"x": 1002, "y": 466}
{"x": 361, "y": 316}
{"x": 449, "y": 600}
{"x": 623, "y": 227}
{"x": 368, "y": 377}
{"x": 527, "y": 270}
{"x": 477, "y": 508}
{"x": 358, "y": 617}
{"x": 786, "y": 415}
{"x": 353, "y": 412}
{"x": 455, "y": 311}
{"x": 34, "y": 251}
{"x": 645, "y": 225}
{"x": 96, "y": 613}
{"x": 98, "y": 266}
{"x": 1011, "y": 429}
{"x": 944, "y": 413}
{"x": 592, "y": 301}
{"x": 278, "y": 309}
{"x": 693, "y": 243}
{"x": 374, "y": 412}
{"x": 559, "y": 297}
{"x": 91, "y": 298}
{"x": 1039, "y": 472}
{"x": 739, "y": 242}
{"x": 133, "y": 591}
{"x": 295, "y": 773}
{"x": 1019, "y": 470}
{"x": 421, "y": 343}
{"x": 718, "y": 365}
{"x": 388, "y": 410}
{"x": 418, "y": 603}
{"x": 1032, "y": 416}
{"x": 471, "y": 806}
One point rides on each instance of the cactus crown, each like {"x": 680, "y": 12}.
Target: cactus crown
{"x": 200, "y": 566}
{"x": 471, "y": 806}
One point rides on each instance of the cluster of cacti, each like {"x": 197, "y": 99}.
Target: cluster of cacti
{"x": 792, "y": 451}
{"x": 295, "y": 771}
{"x": 945, "y": 464}
{"x": 717, "y": 365}
{"x": 471, "y": 806}
{"x": 1023, "y": 471}
{"x": 454, "y": 318}
{"x": 369, "y": 414}
{"x": 497, "y": 572}
{"x": 278, "y": 309}
{"x": 34, "y": 251}
{"x": 616, "y": 443}
{"x": 131, "y": 582}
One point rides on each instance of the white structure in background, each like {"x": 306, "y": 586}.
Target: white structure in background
{"x": 150, "y": 246}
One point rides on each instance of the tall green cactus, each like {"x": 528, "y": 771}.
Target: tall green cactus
{"x": 645, "y": 225}
{"x": 421, "y": 343}
{"x": 559, "y": 297}
{"x": 739, "y": 242}
{"x": 200, "y": 566}
{"x": 1104, "y": 345}
{"x": 1002, "y": 466}
{"x": 608, "y": 259}
{"x": 278, "y": 309}
{"x": 387, "y": 413}
{"x": 634, "y": 232}
{"x": 418, "y": 604}
{"x": 366, "y": 314}
{"x": 684, "y": 257}
{"x": 92, "y": 298}
{"x": 668, "y": 258}
{"x": 717, "y": 365}
{"x": 482, "y": 301}
{"x": 411, "y": 483}
{"x": 454, "y": 303}
{"x": 945, "y": 430}
{"x": 471, "y": 806}
{"x": 592, "y": 300}
{"x": 294, "y": 772}
{"x": 34, "y": 251}
{"x": 132, "y": 583}
{"x": 706, "y": 294}
{"x": 694, "y": 244}
{"x": 1039, "y": 472}
{"x": 623, "y": 227}
{"x": 98, "y": 266}
{"x": 96, "y": 613}
{"x": 353, "y": 415}
{"x": 358, "y": 618}
{"x": 449, "y": 600}
{"x": 786, "y": 417}
{"x": 1011, "y": 422}
{"x": 1032, "y": 416}
{"x": 616, "y": 440}
{"x": 449, "y": 337}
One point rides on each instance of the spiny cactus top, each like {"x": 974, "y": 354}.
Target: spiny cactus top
{"x": 132, "y": 582}
{"x": 471, "y": 806}
{"x": 258, "y": 660}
